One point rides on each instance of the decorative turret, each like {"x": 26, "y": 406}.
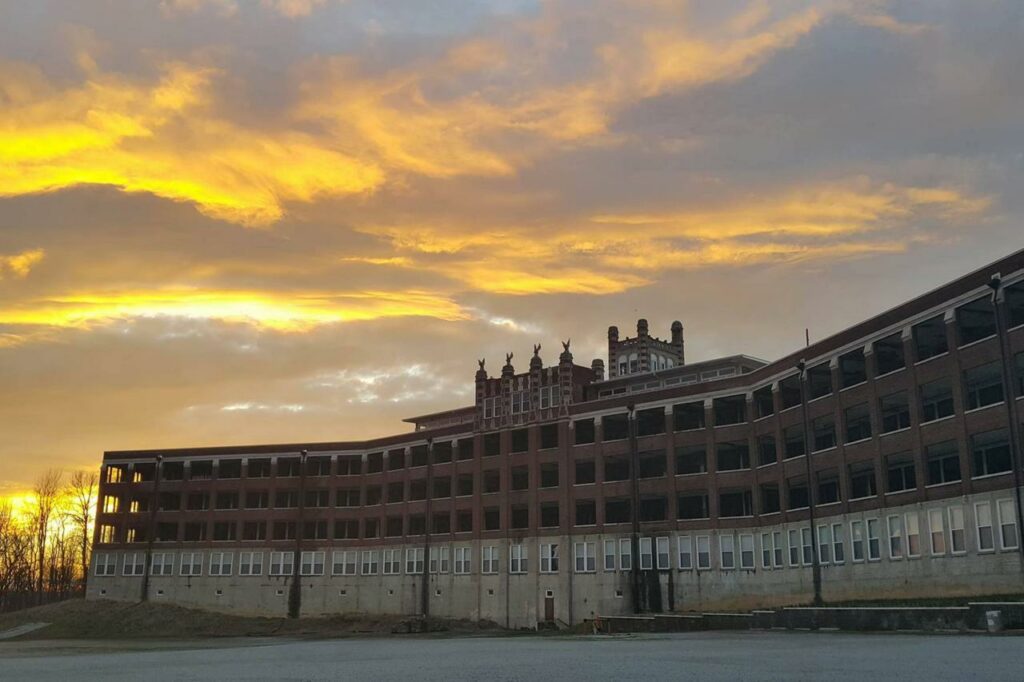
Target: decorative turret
{"x": 597, "y": 366}
{"x": 677, "y": 341}
{"x": 643, "y": 353}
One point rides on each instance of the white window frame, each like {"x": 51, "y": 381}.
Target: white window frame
{"x": 549, "y": 557}
{"x": 345, "y": 560}
{"x": 727, "y": 551}
{"x": 793, "y": 539}
{"x": 191, "y": 564}
{"x": 413, "y": 560}
{"x": 311, "y": 563}
{"x": 391, "y": 561}
{"x": 625, "y": 554}
{"x": 937, "y": 528}
{"x": 250, "y": 563}
{"x": 489, "y": 559}
{"x": 130, "y": 565}
{"x": 585, "y": 554}
{"x": 747, "y": 548}
{"x": 824, "y": 544}
{"x": 463, "y": 561}
{"x": 874, "y": 552}
{"x": 838, "y": 544}
{"x": 105, "y": 564}
{"x": 162, "y": 564}
{"x": 806, "y": 546}
{"x": 369, "y": 563}
{"x": 957, "y": 524}
{"x": 912, "y": 529}
{"x": 857, "y": 541}
{"x": 766, "y": 551}
{"x": 896, "y": 535}
{"x": 1007, "y": 514}
{"x": 282, "y": 563}
{"x": 703, "y": 551}
{"x": 978, "y": 526}
{"x": 684, "y": 545}
{"x": 221, "y": 563}
{"x": 778, "y": 553}
{"x": 518, "y": 556}
{"x": 610, "y": 555}
{"x": 439, "y": 559}
{"x": 662, "y": 553}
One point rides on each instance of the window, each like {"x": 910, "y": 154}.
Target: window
{"x": 392, "y": 561}
{"x": 492, "y": 479}
{"x": 733, "y": 456}
{"x": 282, "y": 563}
{"x": 289, "y": 467}
{"x": 464, "y": 521}
{"x": 549, "y": 397}
{"x": 520, "y": 477}
{"x": 957, "y": 536}
{"x": 614, "y": 427}
{"x": 824, "y": 430}
{"x": 517, "y": 558}
{"x": 519, "y": 440}
{"x": 777, "y": 548}
{"x": 463, "y": 560}
{"x": 703, "y": 552}
{"x": 375, "y": 462}
{"x": 1007, "y": 524}
{"x": 441, "y": 522}
{"x": 492, "y": 444}
{"x": 746, "y": 551}
{"x": 936, "y": 399}
{"x": 913, "y": 534}
{"x": 225, "y": 531}
{"x": 852, "y": 368}
{"x": 198, "y": 502}
{"x": 650, "y": 422}
{"x": 586, "y": 557}
{"x": 990, "y": 453}
{"x": 900, "y": 473}
{"x": 646, "y": 554}
{"x": 173, "y": 471}
{"x": 489, "y": 559}
{"x": 250, "y": 563}
{"x": 257, "y": 499}
{"x": 439, "y": 559}
{"x": 585, "y": 471}
{"x": 790, "y": 392}
{"x": 729, "y": 410}
{"x": 858, "y": 422}
{"x": 1014, "y": 295}
{"x": 983, "y": 385}
{"x": 794, "y": 547}
{"x": 825, "y": 544}
{"x": 586, "y": 512}
{"x": 798, "y": 497}
{"x": 735, "y": 503}
{"x": 191, "y": 564}
{"x": 549, "y": 475}
{"x": 548, "y": 436}
{"x": 874, "y": 547}
{"x": 819, "y": 381}
{"x": 609, "y": 555}
{"x": 464, "y": 485}
{"x": 889, "y": 354}
{"x": 862, "y": 480}
{"x": 549, "y": 515}
{"x": 688, "y": 416}
{"x": 895, "y": 409}
{"x": 349, "y": 466}
{"x": 584, "y": 430}
{"x": 838, "y": 553}
{"x": 1018, "y": 365}
{"x": 163, "y": 564}
{"x": 794, "y": 441}
{"x": 766, "y": 451}
{"x": 318, "y": 466}
{"x": 766, "y": 550}
{"x": 975, "y": 320}
{"x": 492, "y": 407}
{"x": 770, "y": 500}
{"x": 229, "y": 468}
{"x": 492, "y": 518}
{"x": 616, "y": 468}
{"x": 520, "y": 402}
{"x": 318, "y": 498}
{"x": 727, "y": 551}
{"x": 465, "y": 448}
{"x": 943, "y": 462}
{"x": 370, "y": 562}
{"x": 201, "y": 470}
{"x": 685, "y": 547}
{"x": 930, "y": 338}
{"x": 286, "y": 499}
{"x": 314, "y": 530}
{"x": 393, "y": 526}
{"x": 414, "y": 560}
{"x": 653, "y": 509}
{"x": 417, "y": 525}
{"x": 764, "y": 403}
{"x": 828, "y": 487}
{"x": 691, "y": 459}
{"x": 625, "y": 554}
{"x": 652, "y": 463}
{"x": 108, "y": 534}
{"x": 895, "y": 524}
{"x": 857, "y": 540}
{"x": 807, "y": 544}
{"x": 311, "y": 563}
{"x": 418, "y": 455}
{"x": 983, "y": 522}
{"x": 520, "y": 517}
{"x": 937, "y": 531}
{"x": 691, "y": 506}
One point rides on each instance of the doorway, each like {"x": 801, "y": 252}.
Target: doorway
{"x": 549, "y": 606}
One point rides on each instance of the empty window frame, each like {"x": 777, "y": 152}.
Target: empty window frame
{"x": 900, "y": 472}
{"x": 789, "y": 391}
{"x": 770, "y": 501}
{"x": 691, "y": 459}
{"x": 614, "y": 427}
{"x": 764, "y": 402}
{"x": 519, "y": 440}
{"x": 862, "y": 480}
{"x": 943, "y": 461}
{"x": 857, "y": 419}
{"x": 975, "y": 321}
{"x": 990, "y": 453}
{"x": 824, "y": 430}
{"x": 937, "y": 399}
{"x": 895, "y": 411}
{"x": 930, "y": 338}
{"x": 852, "y": 368}
{"x": 767, "y": 452}
{"x": 819, "y": 381}
{"x": 585, "y": 471}
{"x": 730, "y": 410}
{"x": 889, "y": 355}
{"x": 793, "y": 441}
{"x": 983, "y": 385}
{"x": 652, "y": 463}
{"x": 691, "y": 506}
{"x": 797, "y": 494}
{"x": 828, "y": 487}
{"x": 650, "y": 422}
{"x": 584, "y": 431}
{"x": 733, "y": 456}
{"x": 688, "y": 416}
{"x": 735, "y": 503}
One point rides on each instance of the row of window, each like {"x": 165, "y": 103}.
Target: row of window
{"x": 943, "y": 530}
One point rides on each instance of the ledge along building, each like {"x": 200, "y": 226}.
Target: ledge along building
{"x": 882, "y": 461}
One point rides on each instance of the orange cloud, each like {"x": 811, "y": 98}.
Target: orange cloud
{"x": 19, "y": 264}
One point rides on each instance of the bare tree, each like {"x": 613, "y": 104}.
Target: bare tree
{"x": 81, "y": 494}
{"x": 16, "y": 577}
{"x": 47, "y": 495}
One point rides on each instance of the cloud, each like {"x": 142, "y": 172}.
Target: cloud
{"x": 18, "y": 265}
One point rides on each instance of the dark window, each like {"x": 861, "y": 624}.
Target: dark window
{"x": 586, "y": 512}
{"x": 318, "y": 498}
{"x": 614, "y": 427}
{"x": 519, "y": 440}
{"x": 652, "y": 464}
{"x": 794, "y": 441}
{"x": 172, "y": 501}
{"x": 549, "y": 475}
{"x": 196, "y": 531}
{"x": 900, "y": 472}
{"x": 318, "y": 466}
{"x": 226, "y": 500}
{"x": 258, "y": 468}
{"x": 393, "y": 526}
{"x": 862, "y": 480}
{"x": 373, "y": 494}
{"x": 418, "y": 455}
{"x": 819, "y": 380}
{"x": 585, "y": 471}
{"x": 858, "y": 422}
{"x": 492, "y": 518}
{"x": 289, "y": 467}
{"x": 889, "y": 354}
{"x": 520, "y": 517}
{"x": 1018, "y": 363}
{"x": 371, "y": 528}
{"x": 692, "y": 506}
{"x": 492, "y": 444}
{"x": 990, "y": 453}
{"x": 166, "y": 532}
{"x": 442, "y": 487}
{"x": 492, "y": 481}
{"x": 824, "y": 428}
{"x": 789, "y": 391}
{"x": 284, "y": 530}
{"x": 549, "y": 436}
{"x": 828, "y": 487}
{"x": 584, "y": 430}
{"x": 147, "y": 472}
{"x": 691, "y": 459}
{"x": 417, "y": 525}
{"x": 687, "y": 416}
{"x": 346, "y": 529}
{"x": 375, "y": 462}
{"x": 549, "y": 515}
{"x": 441, "y": 523}
{"x": 943, "y": 462}
{"x": 396, "y": 491}
{"x": 396, "y": 460}
{"x": 653, "y": 509}
{"x": 175, "y": 471}
{"x": 348, "y": 497}
{"x": 730, "y": 410}
{"x": 464, "y": 484}
{"x": 975, "y": 320}
{"x": 763, "y": 402}
{"x": 650, "y": 422}
{"x": 983, "y": 385}
{"x": 770, "y": 498}
{"x": 617, "y": 511}
{"x": 201, "y": 470}
{"x": 735, "y": 503}
{"x": 895, "y": 409}
{"x": 443, "y": 452}
{"x": 1014, "y": 304}
{"x": 766, "y": 450}
{"x": 349, "y": 466}
{"x": 930, "y": 338}
{"x": 732, "y": 456}
{"x": 314, "y": 530}
{"x": 797, "y": 497}
{"x": 465, "y": 446}
{"x": 286, "y": 499}
{"x": 229, "y": 468}
{"x": 520, "y": 477}
{"x": 936, "y": 399}
{"x": 254, "y": 530}
{"x": 852, "y": 368}
{"x": 197, "y": 502}
{"x": 464, "y": 521}
{"x": 616, "y": 468}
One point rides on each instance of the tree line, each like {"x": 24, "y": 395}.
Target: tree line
{"x": 45, "y": 546}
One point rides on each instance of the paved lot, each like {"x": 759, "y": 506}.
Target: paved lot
{"x": 702, "y": 656}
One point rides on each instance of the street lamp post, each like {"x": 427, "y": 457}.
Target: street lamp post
{"x": 295, "y": 594}
{"x": 151, "y": 531}
{"x": 815, "y": 565}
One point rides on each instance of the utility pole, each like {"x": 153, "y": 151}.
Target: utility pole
{"x": 425, "y": 596}
{"x": 295, "y": 594}
{"x": 151, "y": 531}
{"x": 1011, "y": 404}
{"x": 634, "y": 507}
{"x": 815, "y": 565}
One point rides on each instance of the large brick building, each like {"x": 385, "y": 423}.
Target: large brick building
{"x": 876, "y": 462}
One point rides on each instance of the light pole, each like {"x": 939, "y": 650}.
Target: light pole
{"x": 634, "y": 503}
{"x": 815, "y": 565}
{"x": 151, "y": 531}
{"x": 295, "y": 594}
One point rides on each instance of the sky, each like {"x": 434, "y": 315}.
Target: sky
{"x": 246, "y": 221}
